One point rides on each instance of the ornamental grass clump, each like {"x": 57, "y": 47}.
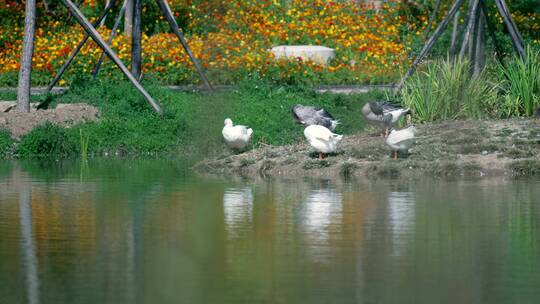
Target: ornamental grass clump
{"x": 446, "y": 90}
{"x": 521, "y": 84}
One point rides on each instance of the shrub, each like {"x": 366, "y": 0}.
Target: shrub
{"x": 446, "y": 90}
{"x": 47, "y": 140}
{"x": 6, "y": 143}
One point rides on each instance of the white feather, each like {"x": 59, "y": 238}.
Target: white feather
{"x": 401, "y": 140}
{"x": 236, "y": 137}
{"x": 322, "y": 139}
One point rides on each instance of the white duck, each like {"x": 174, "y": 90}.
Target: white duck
{"x": 401, "y": 140}
{"x": 236, "y": 137}
{"x": 322, "y": 139}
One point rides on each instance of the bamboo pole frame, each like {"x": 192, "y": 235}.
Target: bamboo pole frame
{"x": 430, "y": 43}
{"x": 78, "y": 48}
{"x": 166, "y": 10}
{"x": 102, "y": 44}
{"x": 111, "y": 37}
{"x": 474, "y": 27}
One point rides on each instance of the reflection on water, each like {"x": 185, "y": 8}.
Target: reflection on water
{"x": 28, "y": 248}
{"x": 238, "y": 210}
{"x": 320, "y": 219}
{"x": 148, "y": 231}
{"x": 401, "y": 219}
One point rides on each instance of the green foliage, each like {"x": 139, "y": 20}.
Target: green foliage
{"x": 47, "y": 140}
{"x": 191, "y": 123}
{"x": 6, "y": 143}
{"x": 521, "y": 84}
{"x": 446, "y": 90}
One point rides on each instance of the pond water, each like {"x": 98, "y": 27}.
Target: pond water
{"x": 149, "y": 231}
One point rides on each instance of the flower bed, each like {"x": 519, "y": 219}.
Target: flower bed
{"x": 231, "y": 39}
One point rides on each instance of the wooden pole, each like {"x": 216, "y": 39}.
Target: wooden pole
{"x": 429, "y": 44}
{"x": 473, "y": 39}
{"x": 99, "y": 40}
{"x": 136, "y": 36}
{"x": 128, "y": 18}
{"x": 25, "y": 70}
{"x": 470, "y": 27}
{"x": 111, "y": 37}
{"x": 454, "y": 33}
{"x": 105, "y": 18}
{"x": 432, "y": 18}
{"x": 78, "y": 48}
{"x": 166, "y": 10}
{"x": 517, "y": 40}
{"x": 491, "y": 31}
{"x": 479, "y": 55}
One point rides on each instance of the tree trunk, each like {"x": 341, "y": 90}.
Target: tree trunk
{"x": 128, "y": 18}
{"x": 25, "y": 70}
{"x": 136, "y": 46}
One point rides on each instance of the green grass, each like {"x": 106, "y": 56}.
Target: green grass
{"x": 47, "y": 140}
{"x": 191, "y": 123}
{"x": 521, "y": 84}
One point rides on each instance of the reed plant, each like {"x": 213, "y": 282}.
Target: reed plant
{"x": 521, "y": 84}
{"x": 446, "y": 90}
{"x": 83, "y": 141}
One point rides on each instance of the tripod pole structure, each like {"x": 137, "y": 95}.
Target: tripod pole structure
{"x": 517, "y": 40}
{"x": 166, "y": 10}
{"x": 78, "y": 48}
{"x": 111, "y": 37}
{"x": 429, "y": 44}
{"x": 102, "y": 44}
{"x": 136, "y": 40}
{"x": 491, "y": 31}
{"x": 470, "y": 27}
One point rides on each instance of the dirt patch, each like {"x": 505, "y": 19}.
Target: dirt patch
{"x": 64, "y": 114}
{"x": 452, "y": 148}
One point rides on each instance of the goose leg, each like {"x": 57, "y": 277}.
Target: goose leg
{"x": 320, "y": 156}
{"x": 395, "y": 154}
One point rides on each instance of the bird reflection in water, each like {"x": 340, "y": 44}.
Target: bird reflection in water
{"x": 238, "y": 210}
{"x": 321, "y": 221}
{"x": 401, "y": 213}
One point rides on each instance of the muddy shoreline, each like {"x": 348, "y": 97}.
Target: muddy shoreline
{"x": 469, "y": 148}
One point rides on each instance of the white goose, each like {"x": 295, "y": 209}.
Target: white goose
{"x": 401, "y": 140}
{"x": 236, "y": 137}
{"x": 322, "y": 139}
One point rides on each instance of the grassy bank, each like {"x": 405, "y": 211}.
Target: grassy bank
{"x": 191, "y": 123}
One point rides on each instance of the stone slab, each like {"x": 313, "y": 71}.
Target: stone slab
{"x": 316, "y": 53}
